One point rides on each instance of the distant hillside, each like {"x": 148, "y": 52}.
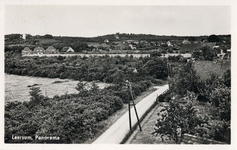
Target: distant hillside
{"x": 118, "y": 41}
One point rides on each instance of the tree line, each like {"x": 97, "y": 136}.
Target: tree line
{"x": 103, "y": 68}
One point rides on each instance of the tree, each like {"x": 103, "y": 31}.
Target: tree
{"x": 82, "y": 88}
{"x": 94, "y": 88}
{"x": 184, "y": 79}
{"x": 208, "y": 53}
{"x": 213, "y": 38}
{"x": 154, "y": 54}
{"x": 48, "y": 36}
{"x": 176, "y": 119}
{"x": 221, "y": 98}
{"x": 157, "y": 68}
{"x": 28, "y": 36}
{"x": 227, "y": 78}
{"x": 36, "y": 97}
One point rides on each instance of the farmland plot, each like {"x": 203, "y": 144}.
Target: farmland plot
{"x": 17, "y": 87}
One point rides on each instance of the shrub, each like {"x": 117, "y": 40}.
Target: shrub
{"x": 164, "y": 97}
{"x": 177, "y": 119}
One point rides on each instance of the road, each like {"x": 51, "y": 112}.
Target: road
{"x": 116, "y": 133}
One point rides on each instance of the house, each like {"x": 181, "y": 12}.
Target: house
{"x": 190, "y": 59}
{"x": 132, "y": 47}
{"x": 228, "y": 53}
{"x": 214, "y": 47}
{"x": 26, "y": 51}
{"x": 221, "y": 54}
{"x": 38, "y": 50}
{"x": 106, "y": 41}
{"x": 185, "y": 41}
{"x": 50, "y": 50}
{"x": 116, "y": 36}
{"x": 169, "y": 44}
{"x": 24, "y": 36}
{"x": 67, "y": 50}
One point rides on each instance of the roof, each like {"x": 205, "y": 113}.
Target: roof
{"x": 26, "y": 49}
{"x": 39, "y": 48}
{"x": 50, "y": 48}
{"x": 65, "y": 49}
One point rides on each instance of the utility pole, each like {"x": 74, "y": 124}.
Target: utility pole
{"x": 129, "y": 86}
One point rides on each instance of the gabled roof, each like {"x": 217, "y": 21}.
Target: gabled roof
{"x": 26, "y": 49}
{"x": 65, "y": 49}
{"x": 50, "y": 48}
{"x": 39, "y": 49}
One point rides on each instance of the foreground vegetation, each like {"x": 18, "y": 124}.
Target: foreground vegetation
{"x": 75, "y": 118}
{"x": 197, "y": 106}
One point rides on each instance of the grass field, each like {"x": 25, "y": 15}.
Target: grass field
{"x": 205, "y": 68}
{"x": 17, "y": 87}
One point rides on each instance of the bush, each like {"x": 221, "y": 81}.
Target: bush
{"x": 74, "y": 118}
{"x": 177, "y": 119}
{"x": 164, "y": 97}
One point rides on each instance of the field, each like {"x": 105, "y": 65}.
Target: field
{"x": 17, "y": 87}
{"x": 205, "y": 68}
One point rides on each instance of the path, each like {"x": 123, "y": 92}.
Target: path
{"x": 116, "y": 133}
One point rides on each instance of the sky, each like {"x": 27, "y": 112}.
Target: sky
{"x": 97, "y": 20}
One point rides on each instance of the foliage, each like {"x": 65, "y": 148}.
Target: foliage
{"x": 48, "y": 36}
{"x": 157, "y": 68}
{"x": 82, "y": 88}
{"x": 221, "y": 131}
{"x": 213, "y": 38}
{"x": 185, "y": 79}
{"x": 208, "y": 53}
{"x": 74, "y": 118}
{"x": 220, "y": 97}
{"x": 177, "y": 119}
{"x": 209, "y": 85}
{"x": 227, "y": 78}
{"x": 178, "y": 58}
{"x": 164, "y": 97}
{"x": 102, "y": 68}
{"x": 155, "y": 53}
